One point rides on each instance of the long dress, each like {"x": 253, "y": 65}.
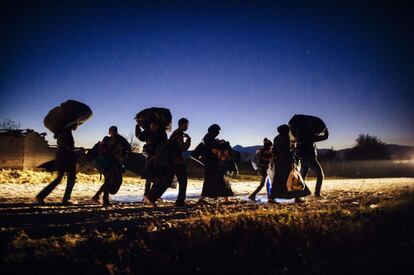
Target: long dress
{"x": 283, "y": 162}
{"x": 215, "y": 184}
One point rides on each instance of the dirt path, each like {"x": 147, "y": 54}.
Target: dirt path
{"x": 17, "y": 210}
{"x": 362, "y": 221}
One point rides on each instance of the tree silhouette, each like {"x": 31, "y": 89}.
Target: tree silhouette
{"x": 9, "y": 124}
{"x": 368, "y": 148}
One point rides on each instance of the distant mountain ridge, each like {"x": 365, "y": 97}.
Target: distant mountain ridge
{"x": 398, "y": 152}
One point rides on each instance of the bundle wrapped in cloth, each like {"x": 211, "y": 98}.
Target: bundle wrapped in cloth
{"x": 227, "y": 156}
{"x": 306, "y": 126}
{"x": 69, "y": 113}
{"x": 162, "y": 116}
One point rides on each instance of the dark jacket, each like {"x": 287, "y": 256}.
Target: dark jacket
{"x": 178, "y": 145}
{"x": 65, "y": 140}
{"x": 306, "y": 147}
{"x": 65, "y": 157}
{"x": 153, "y": 140}
{"x": 281, "y": 149}
{"x": 119, "y": 146}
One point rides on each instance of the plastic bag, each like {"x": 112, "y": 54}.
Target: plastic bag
{"x": 295, "y": 181}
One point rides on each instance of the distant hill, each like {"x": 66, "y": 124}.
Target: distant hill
{"x": 247, "y": 153}
{"x": 398, "y": 152}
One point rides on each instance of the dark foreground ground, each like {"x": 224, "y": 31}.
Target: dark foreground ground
{"x": 356, "y": 230}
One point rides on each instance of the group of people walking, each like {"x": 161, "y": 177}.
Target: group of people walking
{"x": 164, "y": 162}
{"x": 283, "y": 157}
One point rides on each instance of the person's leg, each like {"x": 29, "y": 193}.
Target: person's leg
{"x": 181, "y": 174}
{"x": 98, "y": 194}
{"x": 304, "y": 168}
{"x": 261, "y": 185}
{"x": 49, "y": 188}
{"x": 105, "y": 200}
{"x": 148, "y": 174}
{"x": 147, "y": 187}
{"x": 317, "y": 169}
{"x": 160, "y": 187}
{"x": 71, "y": 178}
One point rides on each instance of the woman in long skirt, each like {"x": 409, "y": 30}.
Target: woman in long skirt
{"x": 215, "y": 185}
{"x": 284, "y": 161}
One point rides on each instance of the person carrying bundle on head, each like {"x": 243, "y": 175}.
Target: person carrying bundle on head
{"x": 155, "y": 137}
{"x": 178, "y": 143}
{"x": 285, "y": 167}
{"x": 61, "y": 121}
{"x": 65, "y": 162}
{"x": 308, "y": 130}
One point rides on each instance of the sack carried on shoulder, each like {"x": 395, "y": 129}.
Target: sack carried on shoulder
{"x": 295, "y": 180}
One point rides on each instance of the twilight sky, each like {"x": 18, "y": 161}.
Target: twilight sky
{"x": 247, "y": 65}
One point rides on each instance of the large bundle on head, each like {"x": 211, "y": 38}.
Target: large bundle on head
{"x": 162, "y": 116}
{"x": 67, "y": 114}
{"x": 306, "y": 126}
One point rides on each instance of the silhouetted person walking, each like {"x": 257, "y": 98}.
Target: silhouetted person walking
{"x": 263, "y": 159}
{"x": 116, "y": 148}
{"x": 283, "y": 162}
{"x": 178, "y": 143}
{"x": 214, "y": 185}
{"x": 65, "y": 162}
{"x": 306, "y": 151}
{"x": 154, "y": 138}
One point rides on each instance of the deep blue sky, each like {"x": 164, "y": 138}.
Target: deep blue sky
{"x": 248, "y": 66}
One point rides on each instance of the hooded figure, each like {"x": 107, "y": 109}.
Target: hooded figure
{"x": 283, "y": 161}
{"x": 214, "y": 185}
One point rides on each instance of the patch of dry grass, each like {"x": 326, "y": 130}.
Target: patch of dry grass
{"x": 35, "y": 177}
{"x": 266, "y": 240}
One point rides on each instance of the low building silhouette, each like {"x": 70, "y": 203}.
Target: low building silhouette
{"x": 24, "y": 149}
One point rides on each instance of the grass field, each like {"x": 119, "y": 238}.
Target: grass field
{"x": 364, "y": 226}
